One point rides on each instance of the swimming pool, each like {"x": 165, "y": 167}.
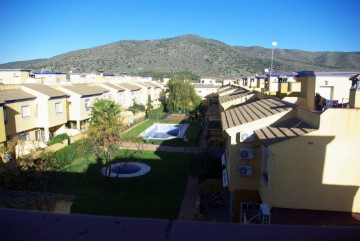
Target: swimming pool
{"x": 164, "y": 131}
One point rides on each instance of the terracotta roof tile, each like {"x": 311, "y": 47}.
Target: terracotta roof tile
{"x": 251, "y": 111}
{"x": 282, "y": 131}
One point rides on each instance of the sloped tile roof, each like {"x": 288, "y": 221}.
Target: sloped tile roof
{"x": 46, "y": 90}
{"x": 86, "y": 90}
{"x": 129, "y": 86}
{"x": 14, "y": 95}
{"x": 251, "y": 111}
{"x": 241, "y": 92}
{"x": 224, "y": 90}
{"x": 283, "y": 131}
{"x": 116, "y": 87}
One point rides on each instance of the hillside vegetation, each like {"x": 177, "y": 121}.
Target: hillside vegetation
{"x": 193, "y": 54}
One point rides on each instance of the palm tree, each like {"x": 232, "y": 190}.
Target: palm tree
{"x": 105, "y": 129}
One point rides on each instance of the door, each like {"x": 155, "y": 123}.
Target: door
{"x": 326, "y": 92}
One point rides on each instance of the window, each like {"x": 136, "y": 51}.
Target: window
{"x": 87, "y": 104}
{"x": 5, "y": 115}
{"x": 58, "y": 107}
{"x": 24, "y": 136}
{"x": 25, "y": 111}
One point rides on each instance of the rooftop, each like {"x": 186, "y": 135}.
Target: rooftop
{"x": 251, "y": 111}
{"x": 240, "y": 93}
{"x": 46, "y": 90}
{"x": 48, "y": 72}
{"x": 224, "y": 90}
{"x": 116, "y": 87}
{"x": 14, "y": 95}
{"x": 205, "y": 86}
{"x": 129, "y": 86}
{"x": 86, "y": 90}
{"x": 324, "y": 73}
{"x": 283, "y": 131}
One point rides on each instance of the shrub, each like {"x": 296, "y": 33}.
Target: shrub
{"x": 58, "y": 139}
{"x": 67, "y": 154}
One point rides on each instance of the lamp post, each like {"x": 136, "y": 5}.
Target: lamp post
{"x": 274, "y": 44}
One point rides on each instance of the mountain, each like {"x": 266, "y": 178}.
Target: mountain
{"x": 201, "y": 56}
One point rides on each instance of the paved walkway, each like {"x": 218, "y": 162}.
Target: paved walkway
{"x": 188, "y": 204}
{"x": 151, "y": 147}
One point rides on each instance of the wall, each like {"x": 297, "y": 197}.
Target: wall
{"x": 54, "y": 118}
{"x": 319, "y": 170}
{"x": 233, "y": 145}
{"x": 310, "y": 86}
{"x": 16, "y": 123}
{"x": 14, "y": 77}
{"x": 2, "y": 126}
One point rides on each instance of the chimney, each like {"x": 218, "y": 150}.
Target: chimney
{"x": 354, "y": 97}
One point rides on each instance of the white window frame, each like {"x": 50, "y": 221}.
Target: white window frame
{"x": 87, "y": 105}
{"x": 25, "y": 111}
{"x": 58, "y": 108}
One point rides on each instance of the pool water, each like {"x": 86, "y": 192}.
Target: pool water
{"x": 164, "y": 131}
{"x": 125, "y": 169}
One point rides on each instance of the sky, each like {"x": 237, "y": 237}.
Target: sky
{"x": 33, "y": 29}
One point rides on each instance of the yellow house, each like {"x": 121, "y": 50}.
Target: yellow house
{"x": 333, "y": 86}
{"x": 204, "y": 90}
{"x": 50, "y": 108}
{"x": 132, "y": 92}
{"x": 116, "y": 93}
{"x": 14, "y": 76}
{"x": 282, "y": 85}
{"x": 50, "y": 77}
{"x": 239, "y": 124}
{"x": 319, "y": 169}
{"x": 80, "y": 99}
{"x": 155, "y": 91}
{"x": 20, "y": 115}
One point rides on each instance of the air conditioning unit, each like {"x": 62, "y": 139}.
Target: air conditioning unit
{"x": 245, "y": 170}
{"x": 245, "y": 153}
{"x": 246, "y": 136}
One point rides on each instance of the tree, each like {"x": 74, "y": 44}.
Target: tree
{"x": 148, "y": 105}
{"x": 182, "y": 96}
{"x": 105, "y": 129}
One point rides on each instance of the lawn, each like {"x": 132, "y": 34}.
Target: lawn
{"x": 157, "y": 194}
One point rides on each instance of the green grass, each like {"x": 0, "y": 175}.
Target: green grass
{"x": 158, "y": 194}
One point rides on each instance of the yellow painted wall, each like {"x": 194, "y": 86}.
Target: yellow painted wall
{"x": 319, "y": 170}
{"x": 14, "y": 77}
{"x": 56, "y": 119}
{"x": 233, "y": 145}
{"x": 311, "y": 85}
{"x": 2, "y": 126}
{"x": 16, "y": 123}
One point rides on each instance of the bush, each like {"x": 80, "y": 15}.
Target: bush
{"x": 67, "y": 154}
{"x": 58, "y": 139}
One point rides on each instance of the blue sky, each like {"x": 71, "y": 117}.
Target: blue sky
{"x": 32, "y": 29}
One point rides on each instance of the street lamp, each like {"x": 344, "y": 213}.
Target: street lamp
{"x": 274, "y": 44}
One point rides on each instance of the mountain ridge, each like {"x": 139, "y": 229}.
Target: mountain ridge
{"x": 193, "y": 53}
